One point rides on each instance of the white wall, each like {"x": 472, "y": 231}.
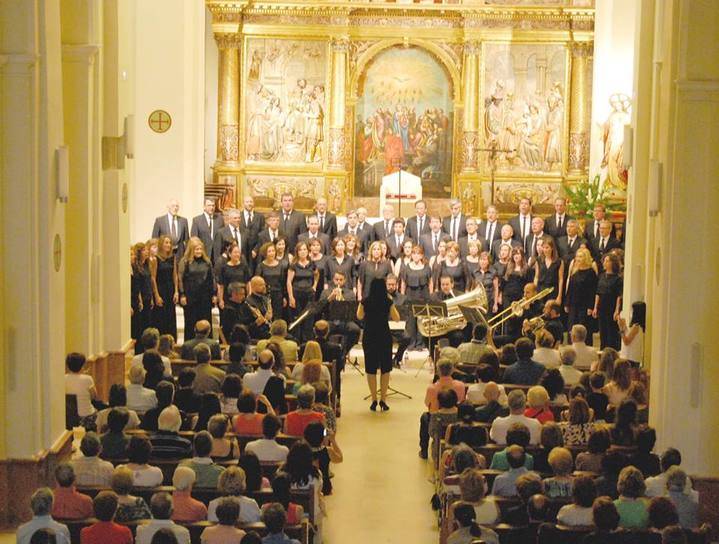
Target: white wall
{"x": 614, "y": 33}
{"x": 169, "y": 75}
{"x": 211, "y": 83}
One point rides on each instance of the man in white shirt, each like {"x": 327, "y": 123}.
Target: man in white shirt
{"x": 382, "y": 229}
{"x": 267, "y": 449}
{"x": 139, "y": 398}
{"x": 522, "y": 222}
{"x": 89, "y": 469}
{"x": 41, "y": 505}
{"x": 455, "y": 225}
{"x": 586, "y": 355}
{"x": 472, "y": 236}
{"x": 570, "y": 374}
{"x": 491, "y": 228}
{"x": 517, "y": 402}
{"x": 161, "y": 508}
{"x": 534, "y": 237}
{"x": 657, "y": 485}
{"x": 256, "y": 381}
{"x": 556, "y": 224}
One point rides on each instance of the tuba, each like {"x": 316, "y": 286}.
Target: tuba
{"x": 431, "y": 327}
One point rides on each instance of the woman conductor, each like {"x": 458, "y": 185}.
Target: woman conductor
{"x": 376, "y": 310}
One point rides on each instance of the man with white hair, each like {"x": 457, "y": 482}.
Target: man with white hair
{"x": 173, "y": 225}
{"x": 534, "y": 237}
{"x": 605, "y": 242}
{"x": 166, "y": 442}
{"x": 314, "y": 233}
{"x": 382, "y": 229}
{"x": 455, "y": 224}
{"x": 41, "y": 505}
{"x": 568, "y": 356}
{"x": 364, "y": 227}
{"x": 585, "y": 355}
{"x": 327, "y": 220}
{"x": 232, "y": 233}
{"x": 162, "y": 509}
{"x": 139, "y": 397}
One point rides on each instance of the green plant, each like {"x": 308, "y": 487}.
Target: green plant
{"x": 585, "y": 194}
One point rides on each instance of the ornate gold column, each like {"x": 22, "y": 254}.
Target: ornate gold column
{"x": 337, "y": 140}
{"x": 579, "y": 112}
{"x": 470, "y": 97}
{"x": 228, "y": 102}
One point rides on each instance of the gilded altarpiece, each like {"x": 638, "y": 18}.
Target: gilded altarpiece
{"x": 484, "y": 101}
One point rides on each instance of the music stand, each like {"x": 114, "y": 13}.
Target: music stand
{"x": 429, "y": 310}
{"x": 346, "y": 311}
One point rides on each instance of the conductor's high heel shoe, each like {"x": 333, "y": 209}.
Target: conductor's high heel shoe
{"x": 373, "y": 406}
{"x": 383, "y": 405}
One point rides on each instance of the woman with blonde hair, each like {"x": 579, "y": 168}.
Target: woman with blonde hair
{"x": 416, "y": 285}
{"x": 374, "y": 266}
{"x": 311, "y": 354}
{"x": 580, "y": 290}
{"x": 453, "y": 267}
{"x": 233, "y": 483}
{"x": 538, "y": 405}
{"x": 562, "y": 464}
{"x": 196, "y": 282}
{"x": 618, "y": 388}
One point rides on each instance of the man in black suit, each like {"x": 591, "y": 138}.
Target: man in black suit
{"x": 236, "y": 310}
{"x": 268, "y": 234}
{"x": 313, "y": 232}
{"x": 605, "y": 242}
{"x": 230, "y": 233}
{"x": 430, "y": 242}
{"x": 328, "y": 221}
{"x": 490, "y": 229}
{"x": 251, "y": 222}
{"x": 446, "y": 292}
{"x": 364, "y": 227}
{"x": 205, "y": 225}
{"x": 382, "y": 229}
{"x": 418, "y": 224}
{"x": 556, "y": 225}
{"x": 202, "y": 336}
{"x": 591, "y": 228}
{"x": 537, "y": 234}
{"x": 506, "y": 238}
{"x": 472, "y": 236}
{"x": 292, "y": 222}
{"x": 174, "y": 226}
{"x": 522, "y": 222}
{"x": 569, "y": 244}
{"x": 352, "y": 227}
{"x": 455, "y": 225}
{"x": 399, "y": 236}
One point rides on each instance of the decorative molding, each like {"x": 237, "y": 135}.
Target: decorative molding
{"x": 228, "y": 40}
{"x": 470, "y": 141}
{"x": 578, "y": 151}
{"x": 336, "y": 147}
{"x": 229, "y": 142}
{"x": 86, "y": 53}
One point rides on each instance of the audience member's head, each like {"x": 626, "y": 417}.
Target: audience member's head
{"x": 479, "y": 333}
{"x": 74, "y": 362}
{"x": 613, "y": 462}
{"x": 305, "y": 397}
{"x": 606, "y": 361}
{"x": 139, "y": 450}
{"x": 105, "y": 505}
{"x": 578, "y": 411}
{"x": 321, "y": 329}
{"x": 202, "y": 444}
{"x": 228, "y": 511}
{"x": 568, "y": 355}
{"x": 271, "y": 425}
{"x": 626, "y": 413}
{"x": 314, "y": 433}
{"x": 186, "y": 377}
{"x": 472, "y": 485}
{"x": 65, "y": 475}
{"x": 646, "y": 439}
{"x": 579, "y": 334}
{"x": 122, "y": 481}
{"x": 161, "y": 505}
{"x": 517, "y": 401}
{"x": 508, "y": 354}
{"x": 551, "y": 436}
{"x": 599, "y": 440}
{"x": 516, "y": 457}
{"x": 237, "y": 352}
{"x": 537, "y": 397}
{"x": 41, "y": 502}
{"x": 444, "y": 367}
{"x": 247, "y": 402}
{"x": 166, "y": 345}
{"x": 528, "y": 485}
{"x": 662, "y": 513}
{"x": 250, "y": 463}
{"x": 560, "y": 459}
{"x": 674, "y": 534}
{"x": 518, "y": 435}
{"x": 322, "y": 393}
{"x": 447, "y": 398}
{"x": 584, "y": 491}
{"x": 266, "y": 359}
{"x": 202, "y": 353}
{"x": 491, "y": 392}
{"x": 524, "y": 348}
{"x": 605, "y": 515}
{"x": 490, "y": 358}
{"x": 275, "y": 518}
{"x": 118, "y": 395}
{"x": 232, "y": 482}
{"x": 117, "y": 420}
{"x": 165, "y": 392}
{"x": 90, "y": 445}
{"x": 169, "y": 419}
{"x": 278, "y": 328}
{"x": 486, "y": 373}
{"x": 202, "y": 328}
{"x": 676, "y": 479}
{"x": 136, "y": 375}
{"x": 670, "y": 458}
{"x": 217, "y": 426}
{"x": 597, "y": 380}
{"x": 539, "y": 508}
{"x": 631, "y": 483}
{"x": 183, "y": 478}
{"x": 553, "y": 382}
{"x": 231, "y": 386}
{"x": 544, "y": 339}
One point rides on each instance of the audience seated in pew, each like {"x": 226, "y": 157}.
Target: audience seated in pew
{"x": 304, "y": 475}
{"x": 493, "y": 408}
{"x": 165, "y": 394}
{"x": 138, "y": 455}
{"x": 154, "y": 369}
{"x": 578, "y": 429}
{"x": 166, "y": 347}
{"x": 186, "y": 508}
{"x": 631, "y": 505}
{"x": 206, "y": 470}
{"x": 568, "y": 358}
{"x": 230, "y": 393}
{"x": 517, "y": 435}
{"x": 606, "y": 522}
{"x": 538, "y": 401}
{"x": 236, "y": 354}
{"x": 68, "y": 502}
{"x": 528, "y": 485}
{"x": 560, "y": 485}
{"x": 105, "y": 530}
{"x": 596, "y": 398}
{"x": 186, "y": 399}
{"x": 117, "y": 399}
{"x": 687, "y": 504}
{"x": 267, "y": 448}
{"x": 249, "y": 421}
{"x": 209, "y": 407}
{"x": 233, "y": 483}
{"x": 281, "y": 494}
{"x": 485, "y": 375}
{"x": 208, "y": 378}
{"x": 597, "y": 445}
{"x": 662, "y": 513}
{"x": 657, "y": 485}
{"x": 465, "y": 430}
{"x": 225, "y": 532}
{"x": 322, "y": 404}
{"x": 114, "y": 442}
{"x": 166, "y": 442}
{"x": 139, "y": 398}
{"x": 443, "y": 417}
{"x": 473, "y": 491}
{"x": 89, "y": 468}
{"x": 202, "y": 337}
{"x": 162, "y": 507}
{"x": 517, "y": 404}
{"x": 267, "y": 381}
{"x": 453, "y": 463}
{"x": 278, "y": 335}
{"x": 579, "y": 513}
{"x": 275, "y": 518}
{"x": 297, "y": 420}
{"x": 150, "y": 340}
{"x": 223, "y": 448}
{"x": 553, "y": 383}
{"x": 544, "y": 352}
{"x": 525, "y": 371}
{"x": 325, "y": 450}
{"x": 255, "y": 481}
{"x": 505, "y": 484}
{"x": 550, "y": 437}
{"x": 646, "y": 461}
{"x": 129, "y": 507}
{"x": 312, "y": 353}
{"x": 468, "y": 529}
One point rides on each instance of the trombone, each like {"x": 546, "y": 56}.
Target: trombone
{"x": 516, "y": 309}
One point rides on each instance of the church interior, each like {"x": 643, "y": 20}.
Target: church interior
{"x": 113, "y": 110}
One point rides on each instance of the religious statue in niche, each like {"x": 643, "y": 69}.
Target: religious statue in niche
{"x": 613, "y": 138}
{"x": 404, "y": 120}
{"x": 524, "y": 106}
{"x": 285, "y": 101}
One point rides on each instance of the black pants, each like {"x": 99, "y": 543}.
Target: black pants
{"x": 424, "y": 432}
{"x": 403, "y": 341}
{"x": 303, "y": 331}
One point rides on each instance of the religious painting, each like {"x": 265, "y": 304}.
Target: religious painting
{"x": 524, "y": 93}
{"x": 404, "y": 120}
{"x": 613, "y": 160}
{"x": 285, "y": 101}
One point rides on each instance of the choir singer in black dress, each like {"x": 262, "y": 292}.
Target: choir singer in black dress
{"x": 163, "y": 271}
{"x": 608, "y": 303}
{"x": 376, "y": 310}
{"x": 196, "y": 281}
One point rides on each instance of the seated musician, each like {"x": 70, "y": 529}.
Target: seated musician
{"x": 400, "y": 336}
{"x": 237, "y": 311}
{"x": 260, "y": 301}
{"x": 349, "y": 330}
{"x": 447, "y": 292}
{"x": 551, "y": 314}
{"x": 529, "y": 311}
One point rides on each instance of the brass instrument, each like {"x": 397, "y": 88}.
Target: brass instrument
{"x": 533, "y": 325}
{"x": 438, "y": 326}
{"x": 516, "y": 309}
